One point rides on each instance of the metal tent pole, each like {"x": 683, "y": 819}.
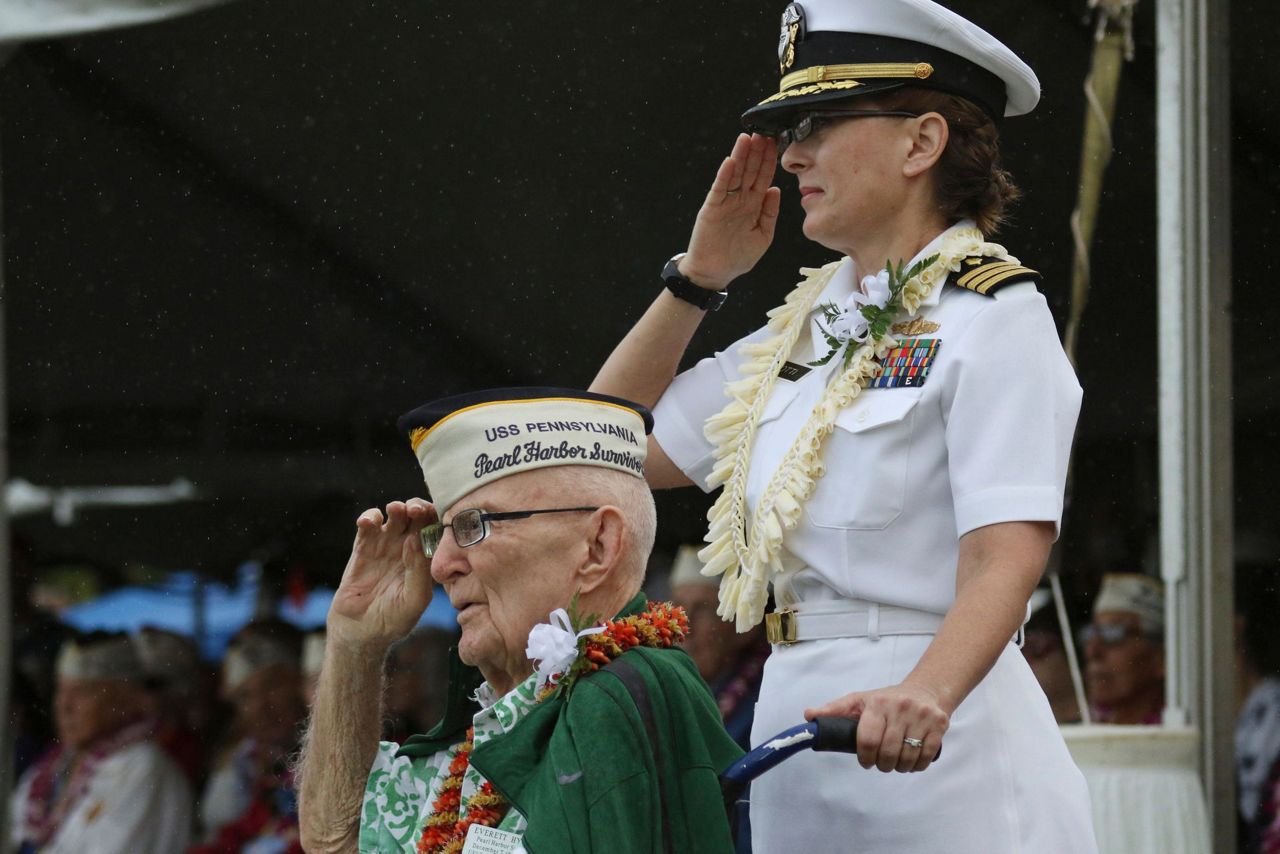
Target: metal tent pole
{"x": 1194, "y": 184}
{"x": 6, "y": 584}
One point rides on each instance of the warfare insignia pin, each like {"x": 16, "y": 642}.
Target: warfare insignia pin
{"x": 917, "y": 326}
{"x": 792, "y": 32}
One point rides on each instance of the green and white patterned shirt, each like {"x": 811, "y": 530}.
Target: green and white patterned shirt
{"x": 399, "y": 792}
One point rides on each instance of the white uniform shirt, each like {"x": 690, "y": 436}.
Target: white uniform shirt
{"x": 908, "y": 470}
{"x": 138, "y": 802}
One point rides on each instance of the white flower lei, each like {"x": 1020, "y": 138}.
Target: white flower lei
{"x": 747, "y": 564}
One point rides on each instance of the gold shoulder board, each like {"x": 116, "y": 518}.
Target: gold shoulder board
{"x": 984, "y": 275}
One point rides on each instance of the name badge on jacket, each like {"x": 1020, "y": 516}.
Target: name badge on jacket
{"x": 907, "y": 365}
{"x": 490, "y": 840}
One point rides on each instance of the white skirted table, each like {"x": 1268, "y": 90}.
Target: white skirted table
{"x": 1144, "y": 786}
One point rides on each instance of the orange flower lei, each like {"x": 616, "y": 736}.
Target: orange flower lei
{"x": 663, "y": 625}
{"x": 445, "y": 832}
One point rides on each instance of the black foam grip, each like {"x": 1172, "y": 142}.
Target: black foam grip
{"x": 836, "y": 735}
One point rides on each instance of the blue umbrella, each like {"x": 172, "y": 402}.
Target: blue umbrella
{"x": 181, "y": 604}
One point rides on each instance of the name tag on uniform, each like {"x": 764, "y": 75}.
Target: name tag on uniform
{"x": 791, "y": 372}
{"x": 907, "y": 366}
{"x": 490, "y": 840}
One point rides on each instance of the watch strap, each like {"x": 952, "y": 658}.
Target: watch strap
{"x": 682, "y": 288}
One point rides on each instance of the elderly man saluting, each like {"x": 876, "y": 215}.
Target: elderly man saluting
{"x": 573, "y": 725}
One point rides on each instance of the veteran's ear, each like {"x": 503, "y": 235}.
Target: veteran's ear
{"x": 605, "y": 546}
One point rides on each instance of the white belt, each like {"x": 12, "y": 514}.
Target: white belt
{"x": 848, "y": 618}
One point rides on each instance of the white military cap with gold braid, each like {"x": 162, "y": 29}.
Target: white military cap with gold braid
{"x": 832, "y": 50}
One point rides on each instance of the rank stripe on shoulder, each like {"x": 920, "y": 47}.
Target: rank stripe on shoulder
{"x": 991, "y": 274}
{"x": 980, "y": 279}
{"x": 1007, "y": 277}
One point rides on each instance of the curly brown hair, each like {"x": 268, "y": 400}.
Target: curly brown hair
{"x": 970, "y": 181}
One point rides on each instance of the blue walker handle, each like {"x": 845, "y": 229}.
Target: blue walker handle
{"x": 836, "y": 735}
{"x": 821, "y": 734}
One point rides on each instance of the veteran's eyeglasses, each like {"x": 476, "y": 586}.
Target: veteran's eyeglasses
{"x": 1109, "y": 634}
{"x": 472, "y": 526}
{"x": 814, "y": 121}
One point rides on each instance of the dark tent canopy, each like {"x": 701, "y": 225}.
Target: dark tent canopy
{"x": 239, "y": 244}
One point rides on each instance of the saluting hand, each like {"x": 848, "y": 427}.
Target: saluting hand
{"x": 888, "y": 716}
{"x": 387, "y": 583}
{"x": 736, "y": 222}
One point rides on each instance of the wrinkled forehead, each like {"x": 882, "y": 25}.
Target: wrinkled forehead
{"x": 526, "y": 490}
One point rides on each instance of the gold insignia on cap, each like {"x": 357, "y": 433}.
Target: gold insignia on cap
{"x": 789, "y": 58}
{"x": 856, "y": 71}
{"x": 811, "y": 90}
{"x": 792, "y": 32}
{"x": 918, "y": 326}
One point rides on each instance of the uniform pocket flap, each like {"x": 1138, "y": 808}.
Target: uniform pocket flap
{"x": 877, "y": 407}
{"x": 781, "y": 397}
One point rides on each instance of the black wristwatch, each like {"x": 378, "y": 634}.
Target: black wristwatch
{"x": 686, "y": 290}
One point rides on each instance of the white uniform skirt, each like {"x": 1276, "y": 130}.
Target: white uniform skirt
{"x": 1004, "y": 784}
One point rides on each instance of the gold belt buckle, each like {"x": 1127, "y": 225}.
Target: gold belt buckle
{"x": 780, "y": 626}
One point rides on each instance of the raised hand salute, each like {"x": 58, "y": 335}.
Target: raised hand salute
{"x": 387, "y": 583}
{"x": 384, "y": 590}
{"x": 561, "y": 523}
{"x": 736, "y": 222}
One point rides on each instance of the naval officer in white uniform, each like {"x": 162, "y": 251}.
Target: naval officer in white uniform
{"x": 891, "y": 447}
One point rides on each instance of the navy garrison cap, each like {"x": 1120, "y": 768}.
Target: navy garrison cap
{"x": 466, "y": 441}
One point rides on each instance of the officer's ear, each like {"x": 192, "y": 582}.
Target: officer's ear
{"x": 606, "y": 539}
{"x": 928, "y": 139}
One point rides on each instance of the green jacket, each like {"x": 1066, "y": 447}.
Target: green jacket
{"x": 582, "y": 770}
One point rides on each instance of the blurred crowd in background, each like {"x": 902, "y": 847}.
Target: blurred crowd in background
{"x": 137, "y": 742}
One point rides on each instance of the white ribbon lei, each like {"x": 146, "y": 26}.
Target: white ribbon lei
{"x": 554, "y": 645}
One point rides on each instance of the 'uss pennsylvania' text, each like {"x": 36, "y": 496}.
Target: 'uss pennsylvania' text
{"x": 508, "y": 431}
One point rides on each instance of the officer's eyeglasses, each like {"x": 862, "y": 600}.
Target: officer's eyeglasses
{"x": 472, "y": 526}
{"x": 1109, "y": 634}
{"x": 813, "y": 122}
